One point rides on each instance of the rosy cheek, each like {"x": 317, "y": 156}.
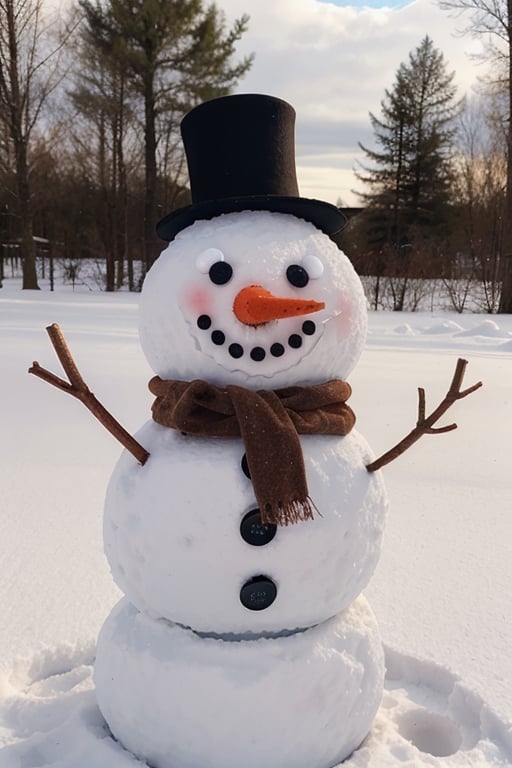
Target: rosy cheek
{"x": 197, "y": 301}
{"x": 343, "y": 319}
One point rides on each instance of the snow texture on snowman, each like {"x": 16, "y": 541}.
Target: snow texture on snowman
{"x": 244, "y": 542}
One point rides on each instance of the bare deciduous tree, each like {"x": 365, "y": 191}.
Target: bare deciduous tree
{"x": 492, "y": 20}
{"x": 28, "y": 75}
{"x": 480, "y": 189}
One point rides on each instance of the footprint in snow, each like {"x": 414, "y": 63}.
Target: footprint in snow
{"x": 49, "y": 717}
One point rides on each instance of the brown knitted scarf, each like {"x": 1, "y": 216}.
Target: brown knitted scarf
{"x": 269, "y": 423}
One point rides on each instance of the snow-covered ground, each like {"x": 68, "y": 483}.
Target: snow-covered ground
{"x": 442, "y": 591}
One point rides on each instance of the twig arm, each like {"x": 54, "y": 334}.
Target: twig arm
{"x": 65, "y": 358}
{"x": 79, "y": 389}
{"x": 50, "y": 378}
{"x": 425, "y": 424}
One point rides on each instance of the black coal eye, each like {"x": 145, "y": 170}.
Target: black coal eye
{"x": 297, "y": 276}
{"x": 220, "y": 273}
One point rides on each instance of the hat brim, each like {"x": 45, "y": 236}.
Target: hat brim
{"x": 327, "y": 217}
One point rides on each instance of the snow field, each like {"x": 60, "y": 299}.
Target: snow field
{"x": 441, "y": 592}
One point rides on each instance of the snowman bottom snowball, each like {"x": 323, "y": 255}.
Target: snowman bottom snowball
{"x": 179, "y": 700}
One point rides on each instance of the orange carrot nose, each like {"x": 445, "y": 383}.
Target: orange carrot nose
{"x": 255, "y": 305}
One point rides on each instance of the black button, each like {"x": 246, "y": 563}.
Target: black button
{"x": 245, "y": 466}
{"x": 308, "y": 327}
{"x": 277, "y": 350}
{"x": 254, "y": 532}
{"x": 218, "y": 337}
{"x": 258, "y": 353}
{"x": 204, "y": 322}
{"x": 295, "y": 341}
{"x": 235, "y": 350}
{"x": 258, "y": 593}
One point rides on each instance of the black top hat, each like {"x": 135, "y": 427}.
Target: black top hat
{"x": 241, "y": 157}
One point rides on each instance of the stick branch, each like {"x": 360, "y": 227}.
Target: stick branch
{"x": 424, "y": 424}
{"x": 77, "y": 387}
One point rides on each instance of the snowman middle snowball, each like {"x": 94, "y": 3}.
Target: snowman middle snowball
{"x": 174, "y": 529}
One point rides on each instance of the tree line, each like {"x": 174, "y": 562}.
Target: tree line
{"x": 90, "y": 107}
{"x": 91, "y": 158}
{"x": 438, "y": 183}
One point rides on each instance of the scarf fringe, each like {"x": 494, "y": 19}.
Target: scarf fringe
{"x": 287, "y": 514}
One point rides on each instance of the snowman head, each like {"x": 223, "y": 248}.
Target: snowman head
{"x": 251, "y": 291}
{"x": 257, "y": 299}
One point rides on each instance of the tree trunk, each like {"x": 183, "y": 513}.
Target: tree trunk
{"x": 122, "y": 193}
{"x": 17, "y": 107}
{"x": 27, "y": 244}
{"x": 150, "y": 253}
{"x": 505, "y": 306}
{"x": 106, "y": 213}
{"x": 131, "y": 278}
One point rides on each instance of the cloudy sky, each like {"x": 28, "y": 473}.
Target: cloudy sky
{"x": 332, "y": 60}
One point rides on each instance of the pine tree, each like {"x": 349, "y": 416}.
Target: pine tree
{"x": 410, "y": 173}
{"x": 103, "y": 125}
{"x": 176, "y": 53}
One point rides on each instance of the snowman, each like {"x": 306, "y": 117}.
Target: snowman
{"x": 243, "y": 543}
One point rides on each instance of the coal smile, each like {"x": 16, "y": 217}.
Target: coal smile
{"x": 256, "y": 353}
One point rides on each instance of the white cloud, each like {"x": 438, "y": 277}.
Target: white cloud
{"x": 333, "y": 63}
